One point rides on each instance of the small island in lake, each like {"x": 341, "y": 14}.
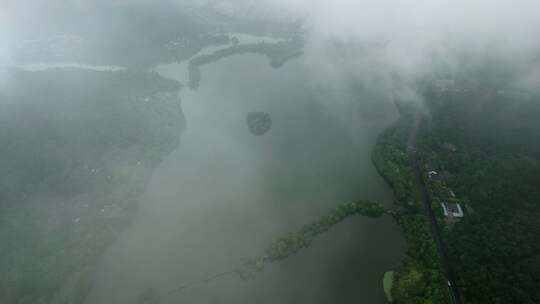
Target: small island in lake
{"x": 258, "y": 122}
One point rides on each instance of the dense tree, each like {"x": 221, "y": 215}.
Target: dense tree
{"x": 496, "y": 175}
{"x": 419, "y": 279}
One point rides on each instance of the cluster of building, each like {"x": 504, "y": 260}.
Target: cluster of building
{"x": 451, "y": 207}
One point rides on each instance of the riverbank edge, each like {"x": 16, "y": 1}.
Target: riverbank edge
{"x": 419, "y": 277}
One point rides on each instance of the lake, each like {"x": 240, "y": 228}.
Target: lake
{"x": 224, "y": 194}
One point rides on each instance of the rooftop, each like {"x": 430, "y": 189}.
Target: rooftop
{"x": 452, "y": 209}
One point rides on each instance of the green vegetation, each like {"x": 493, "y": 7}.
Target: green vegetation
{"x": 480, "y": 140}
{"x": 419, "y": 279}
{"x": 495, "y": 174}
{"x": 289, "y": 244}
{"x": 278, "y": 53}
{"x": 392, "y": 162}
{"x": 77, "y": 150}
{"x": 283, "y": 246}
{"x": 388, "y": 282}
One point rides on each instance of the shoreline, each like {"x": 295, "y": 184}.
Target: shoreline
{"x": 390, "y": 158}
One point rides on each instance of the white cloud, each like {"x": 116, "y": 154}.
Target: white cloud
{"x": 5, "y": 37}
{"x": 416, "y": 30}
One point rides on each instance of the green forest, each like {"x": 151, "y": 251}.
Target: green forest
{"x": 484, "y": 143}
{"x": 419, "y": 278}
{"x": 495, "y": 173}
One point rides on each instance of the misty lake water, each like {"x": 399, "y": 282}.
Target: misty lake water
{"x": 179, "y": 70}
{"x": 224, "y": 194}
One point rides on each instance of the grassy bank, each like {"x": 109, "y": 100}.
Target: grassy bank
{"x": 388, "y": 282}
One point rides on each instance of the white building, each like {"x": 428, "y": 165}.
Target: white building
{"x": 452, "y": 210}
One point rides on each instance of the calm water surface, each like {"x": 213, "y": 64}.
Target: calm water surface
{"x": 224, "y": 194}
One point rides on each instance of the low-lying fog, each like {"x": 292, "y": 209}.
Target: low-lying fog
{"x": 222, "y": 194}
